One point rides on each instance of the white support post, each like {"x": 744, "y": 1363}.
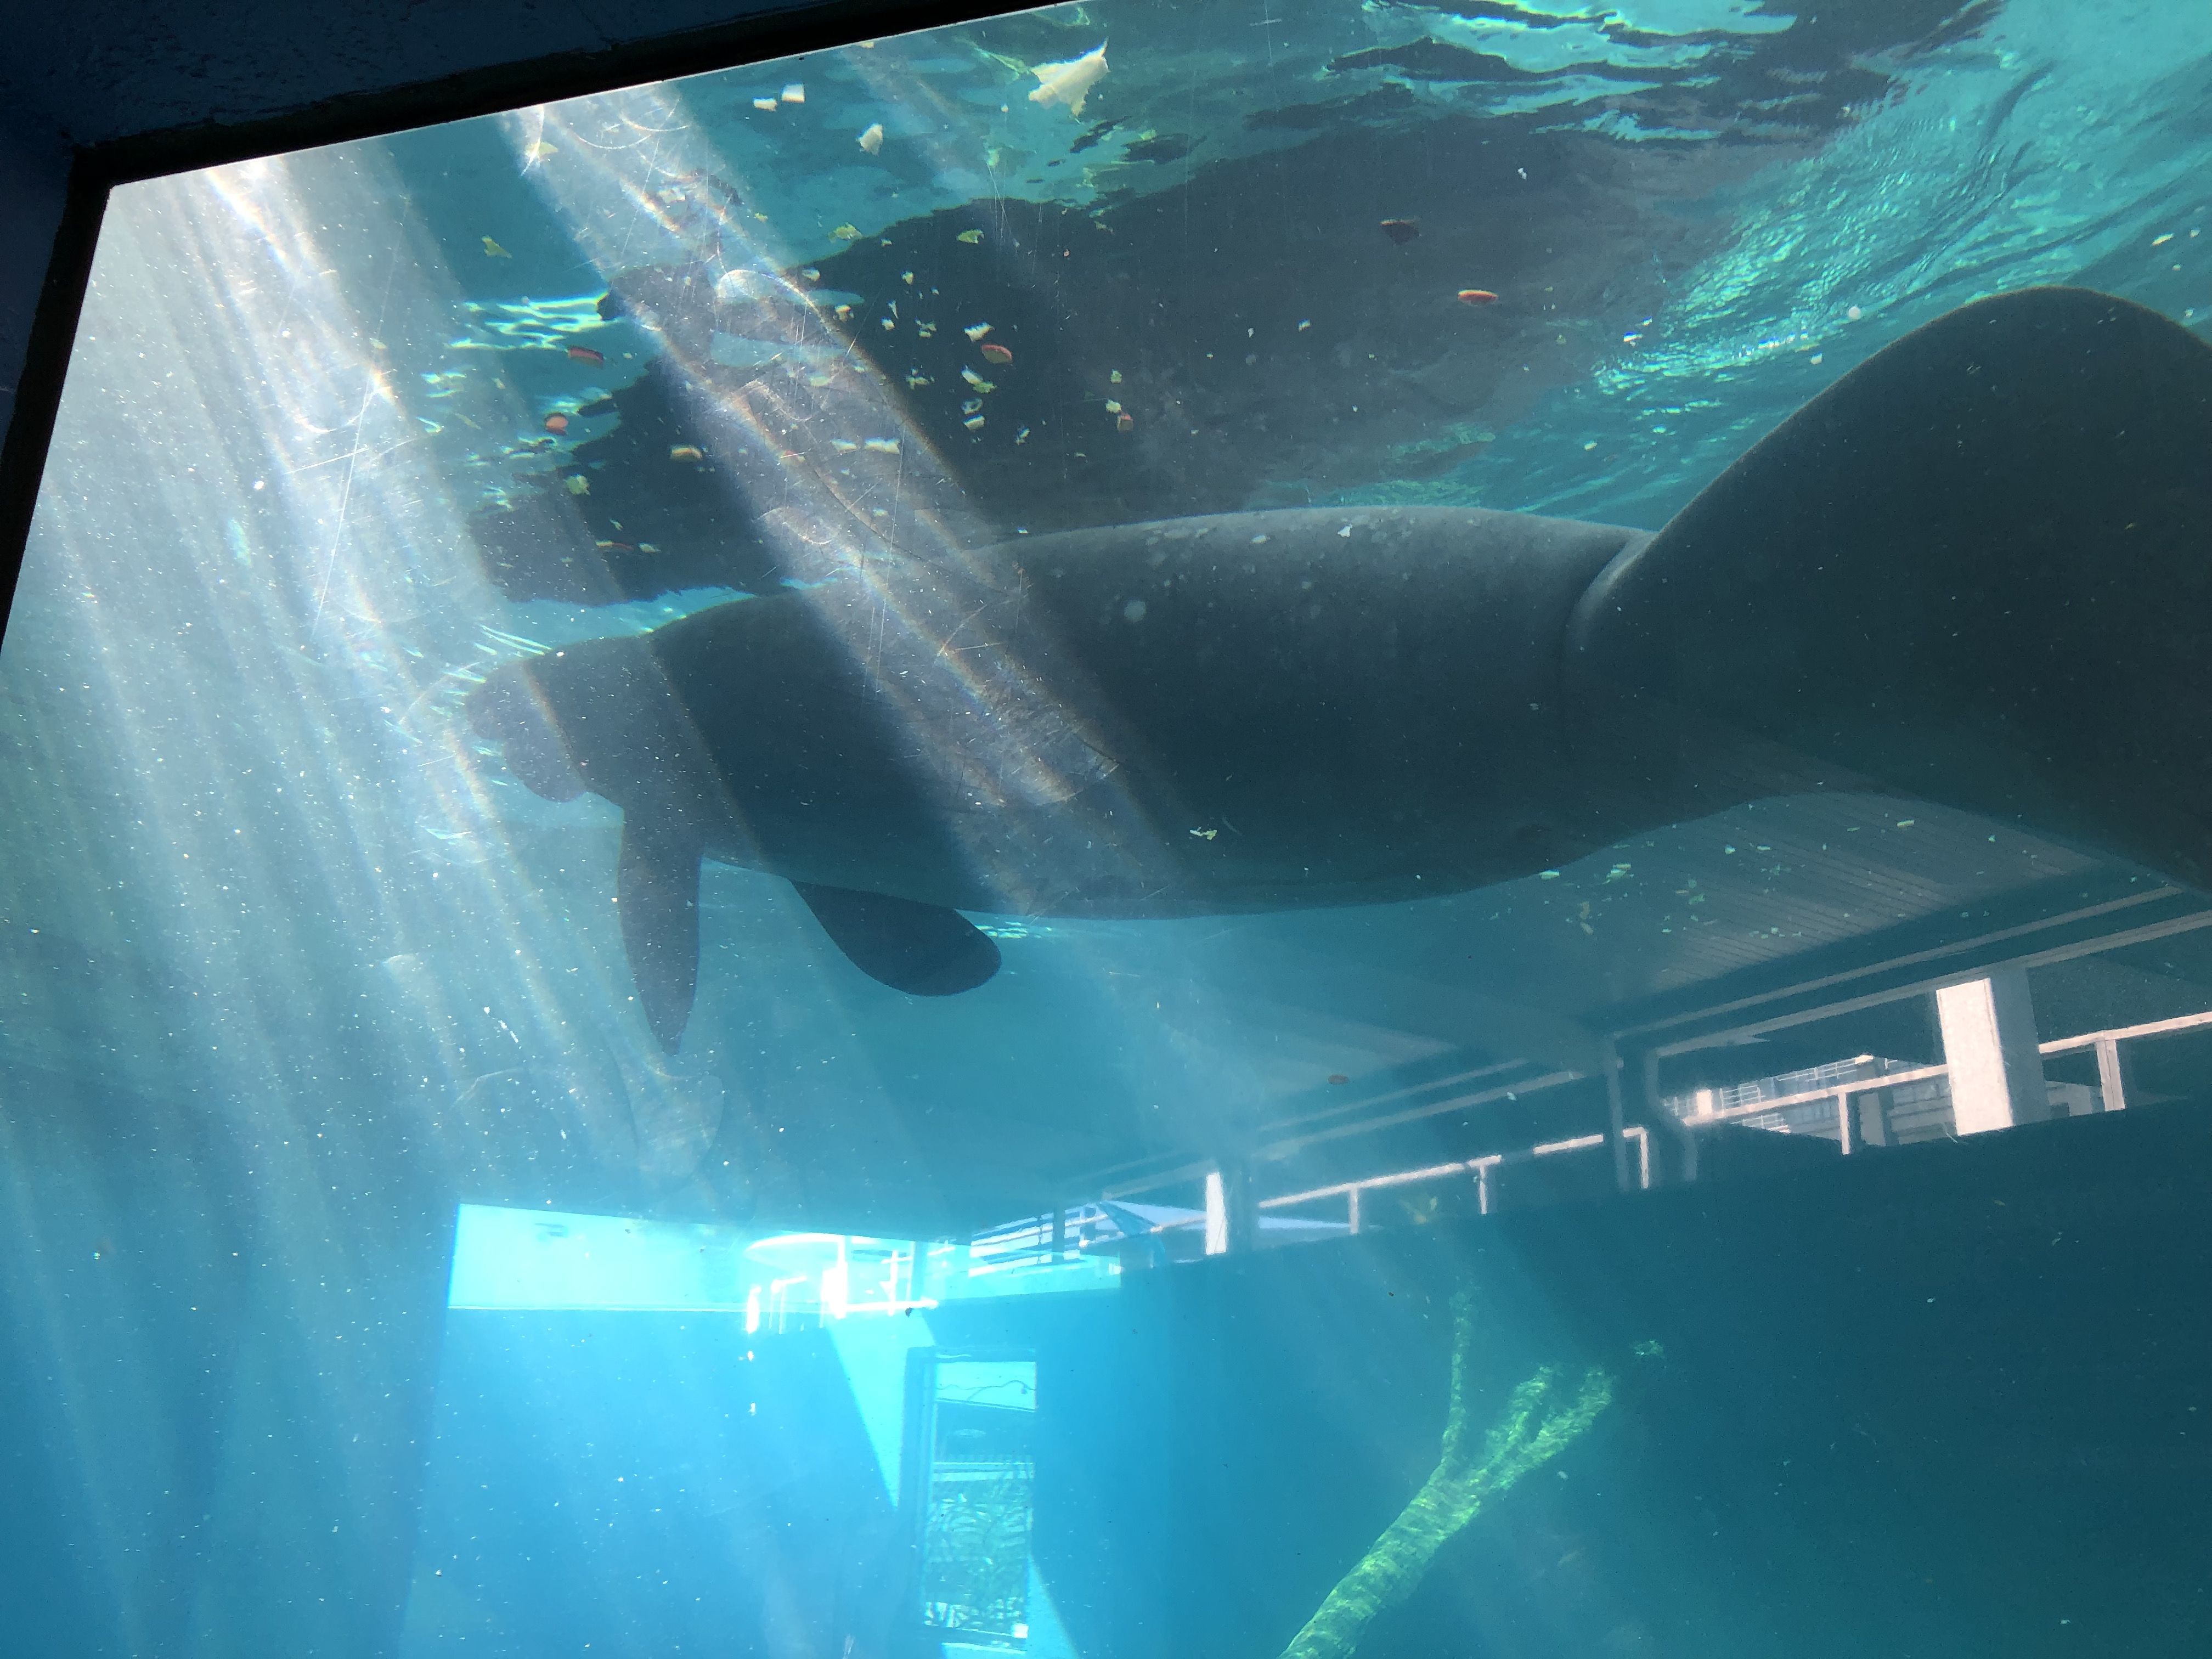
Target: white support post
{"x": 1616, "y": 1114}
{"x": 2111, "y": 1074}
{"x": 1990, "y": 1049}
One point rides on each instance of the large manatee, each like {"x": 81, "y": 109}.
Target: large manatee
{"x": 1975, "y": 569}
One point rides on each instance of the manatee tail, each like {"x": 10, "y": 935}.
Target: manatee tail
{"x": 1978, "y": 569}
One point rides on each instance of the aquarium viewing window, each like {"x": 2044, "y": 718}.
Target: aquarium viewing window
{"x": 1295, "y": 830}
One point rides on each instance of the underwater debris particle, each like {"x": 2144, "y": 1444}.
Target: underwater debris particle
{"x": 887, "y": 322}
{"x": 873, "y": 140}
{"x": 970, "y": 237}
{"x": 686, "y": 452}
{"x": 843, "y": 446}
{"x": 1115, "y": 376}
{"x": 810, "y": 274}
{"x": 973, "y": 423}
{"x": 496, "y": 250}
{"x": 907, "y": 277}
{"x": 793, "y": 93}
{"x": 1402, "y": 231}
{"x": 1548, "y": 875}
{"x": 976, "y": 381}
{"x": 1338, "y": 1078}
{"x": 882, "y": 446}
{"x": 1854, "y": 314}
{"x": 1113, "y": 408}
{"x": 993, "y": 353}
{"x": 586, "y": 354}
{"x": 1125, "y": 423}
{"x": 579, "y": 484}
{"x": 925, "y": 330}
{"x": 971, "y": 405}
{"x": 977, "y": 330}
{"x": 1304, "y": 323}
{"x": 1022, "y": 437}
{"x": 764, "y": 103}
{"x": 844, "y": 311}
{"x": 1345, "y": 534}
{"x": 538, "y": 149}
{"x": 1259, "y": 541}
{"x": 916, "y": 380}
{"x": 1135, "y": 611}
{"x": 557, "y": 422}
{"x": 1907, "y": 823}
{"x": 1476, "y": 296}
{"x": 847, "y": 232}
{"x": 1069, "y": 83}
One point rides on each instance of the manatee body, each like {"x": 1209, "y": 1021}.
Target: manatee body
{"x": 1250, "y": 712}
{"x": 1976, "y": 568}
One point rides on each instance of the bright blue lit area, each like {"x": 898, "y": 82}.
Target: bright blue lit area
{"x": 616, "y": 1394}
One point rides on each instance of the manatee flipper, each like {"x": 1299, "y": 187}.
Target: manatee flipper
{"x": 1977, "y": 569}
{"x": 657, "y": 888}
{"x": 924, "y": 950}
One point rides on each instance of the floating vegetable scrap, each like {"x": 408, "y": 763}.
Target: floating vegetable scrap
{"x": 1124, "y": 423}
{"x": 794, "y": 93}
{"x": 1070, "y": 83}
{"x": 977, "y": 330}
{"x": 496, "y": 250}
{"x": 764, "y": 103}
{"x": 557, "y": 422}
{"x": 873, "y": 140}
{"x": 686, "y": 452}
{"x": 1477, "y": 297}
{"x": 993, "y": 353}
{"x": 1402, "y": 231}
{"x": 586, "y": 354}
{"x": 970, "y": 237}
{"x": 848, "y": 233}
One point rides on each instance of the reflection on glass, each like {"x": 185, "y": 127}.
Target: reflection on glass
{"x": 975, "y": 1508}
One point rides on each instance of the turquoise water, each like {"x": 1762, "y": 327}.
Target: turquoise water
{"x": 305, "y": 953}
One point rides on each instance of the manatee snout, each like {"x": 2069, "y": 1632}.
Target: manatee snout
{"x": 509, "y": 710}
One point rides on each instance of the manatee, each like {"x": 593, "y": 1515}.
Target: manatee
{"x": 1971, "y": 570}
